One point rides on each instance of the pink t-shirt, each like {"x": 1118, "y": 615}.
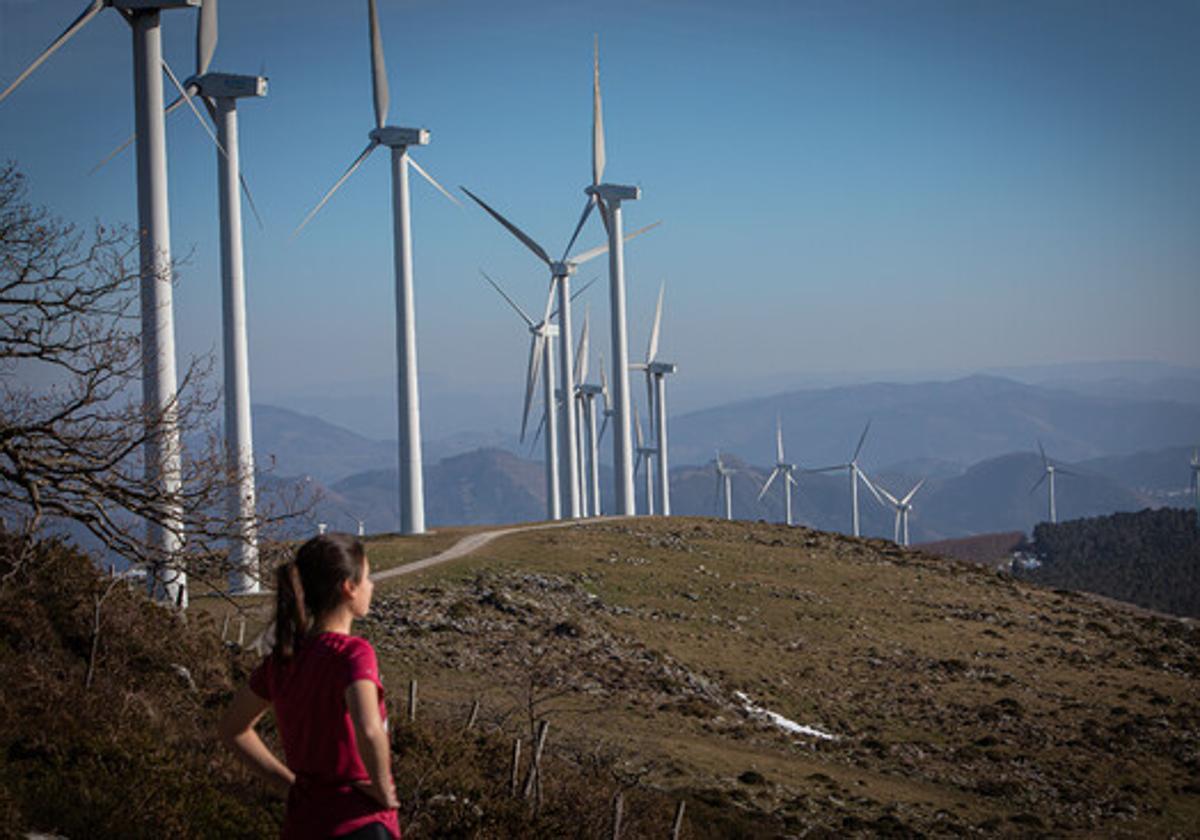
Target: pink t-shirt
{"x": 309, "y": 697}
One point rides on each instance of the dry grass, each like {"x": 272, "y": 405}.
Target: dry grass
{"x": 962, "y": 700}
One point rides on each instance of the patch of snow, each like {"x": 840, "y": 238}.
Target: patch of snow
{"x": 780, "y": 721}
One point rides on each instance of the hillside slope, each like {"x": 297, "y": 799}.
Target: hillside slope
{"x": 958, "y": 700}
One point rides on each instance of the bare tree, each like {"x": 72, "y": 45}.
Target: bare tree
{"x": 73, "y": 432}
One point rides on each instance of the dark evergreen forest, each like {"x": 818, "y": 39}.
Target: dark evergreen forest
{"x": 1151, "y": 558}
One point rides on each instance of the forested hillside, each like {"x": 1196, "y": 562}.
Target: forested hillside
{"x": 1151, "y": 558}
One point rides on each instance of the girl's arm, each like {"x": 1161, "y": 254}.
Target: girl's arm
{"x": 237, "y": 733}
{"x": 362, "y": 701}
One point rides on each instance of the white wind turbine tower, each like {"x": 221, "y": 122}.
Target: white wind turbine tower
{"x": 854, "y": 471}
{"x": 902, "y": 506}
{"x": 412, "y": 492}
{"x": 644, "y": 456}
{"x": 220, "y": 92}
{"x": 162, "y": 453}
{"x": 541, "y": 355}
{"x": 609, "y": 198}
{"x": 782, "y": 468}
{"x": 724, "y": 478}
{"x": 561, "y": 272}
{"x": 1196, "y": 482}
{"x": 656, "y": 397}
{"x": 1049, "y": 470}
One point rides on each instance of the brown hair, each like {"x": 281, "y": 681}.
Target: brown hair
{"x": 311, "y": 585}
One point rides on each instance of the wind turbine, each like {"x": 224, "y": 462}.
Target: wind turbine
{"x": 1196, "y": 482}
{"x": 644, "y": 454}
{"x": 901, "y": 506}
{"x": 656, "y": 397}
{"x": 609, "y": 198}
{"x": 541, "y": 355}
{"x": 220, "y": 92}
{"x": 412, "y": 491}
{"x": 162, "y": 448}
{"x": 853, "y": 469}
{"x": 1049, "y": 470}
{"x": 724, "y": 477}
{"x": 578, "y": 405}
{"x": 782, "y": 468}
{"x": 561, "y": 272}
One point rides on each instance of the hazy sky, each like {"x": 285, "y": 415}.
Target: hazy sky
{"x": 845, "y": 186}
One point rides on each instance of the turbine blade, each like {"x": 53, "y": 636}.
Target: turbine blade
{"x": 861, "y": 440}
{"x": 513, "y": 229}
{"x": 835, "y": 468}
{"x": 538, "y": 433}
{"x": 652, "y": 348}
{"x": 793, "y": 481}
{"x": 638, "y": 426}
{"x": 778, "y": 440}
{"x": 90, "y": 12}
{"x": 379, "y": 85}
{"x": 1045, "y": 460}
{"x": 1038, "y": 483}
{"x": 581, "y": 354}
{"x": 188, "y": 98}
{"x": 357, "y": 162}
{"x": 206, "y": 35}
{"x": 584, "y": 288}
{"x": 170, "y": 109}
{"x": 524, "y": 316}
{"x": 598, "y": 157}
{"x": 600, "y": 249}
{"x": 531, "y": 376}
{"x": 875, "y": 491}
{"x": 767, "y": 486}
{"x": 250, "y": 199}
{"x": 912, "y": 492}
{"x": 549, "y": 299}
{"x": 421, "y": 171}
{"x": 587, "y": 211}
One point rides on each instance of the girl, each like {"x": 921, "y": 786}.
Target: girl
{"x": 328, "y": 700}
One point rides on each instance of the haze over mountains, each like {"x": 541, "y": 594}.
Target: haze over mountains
{"x": 973, "y": 439}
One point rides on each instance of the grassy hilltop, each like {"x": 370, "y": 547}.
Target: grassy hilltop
{"x": 960, "y": 701}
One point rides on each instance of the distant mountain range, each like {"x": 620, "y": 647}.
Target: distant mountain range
{"x": 974, "y": 441}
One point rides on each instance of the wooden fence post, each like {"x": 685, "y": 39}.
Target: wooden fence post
{"x": 225, "y": 628}
{"x": 533, "y": 778}
{"x": 618, "y": 806}
{"x": 516, "y": 764}
{"x": 412, "y": 701}
{"x": 474, "y": 714}
{"x": 242, "y": 631}
{"x": 677, "y": 826}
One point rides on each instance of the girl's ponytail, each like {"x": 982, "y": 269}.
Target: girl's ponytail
{"x": 310, "y": 585}
{"x": 291, "y": 617}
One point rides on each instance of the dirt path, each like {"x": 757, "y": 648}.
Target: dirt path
{"x": 474, "y": 542}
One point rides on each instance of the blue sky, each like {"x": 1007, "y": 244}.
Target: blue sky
{"x": 845, "y": 187}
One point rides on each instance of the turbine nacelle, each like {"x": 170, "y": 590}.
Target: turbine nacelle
{"x": 562, "y": 268}
{"x": 661, "y": 367}
{"x": 399, "y": 138}
{"x": 228, "y": 85}
{"x": 152, "y": 5}
{"x": 614, "y": 192}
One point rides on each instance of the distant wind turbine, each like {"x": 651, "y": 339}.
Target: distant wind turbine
{"x": 656, "y": 398}
{"x": 412, "y": 490}
{"x": 644, "y": 455}
{"x": 1049, "y": 470}
{"x": 1196, "y": 483}
{"x": 853, "y": 470}
{"x": 541, "y": 356}
{"x": 724, "y": 485}
{"x": 561, "y": 272}
{"x": 608, "y": 197}
{"x": 159, "y": 383}
{"x": 782, "y": 468}
{"x": 901, "y": 506}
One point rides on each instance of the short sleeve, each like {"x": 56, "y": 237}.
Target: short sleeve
{"x": 260, "y": 679}
{"x": 361, "y": 663}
